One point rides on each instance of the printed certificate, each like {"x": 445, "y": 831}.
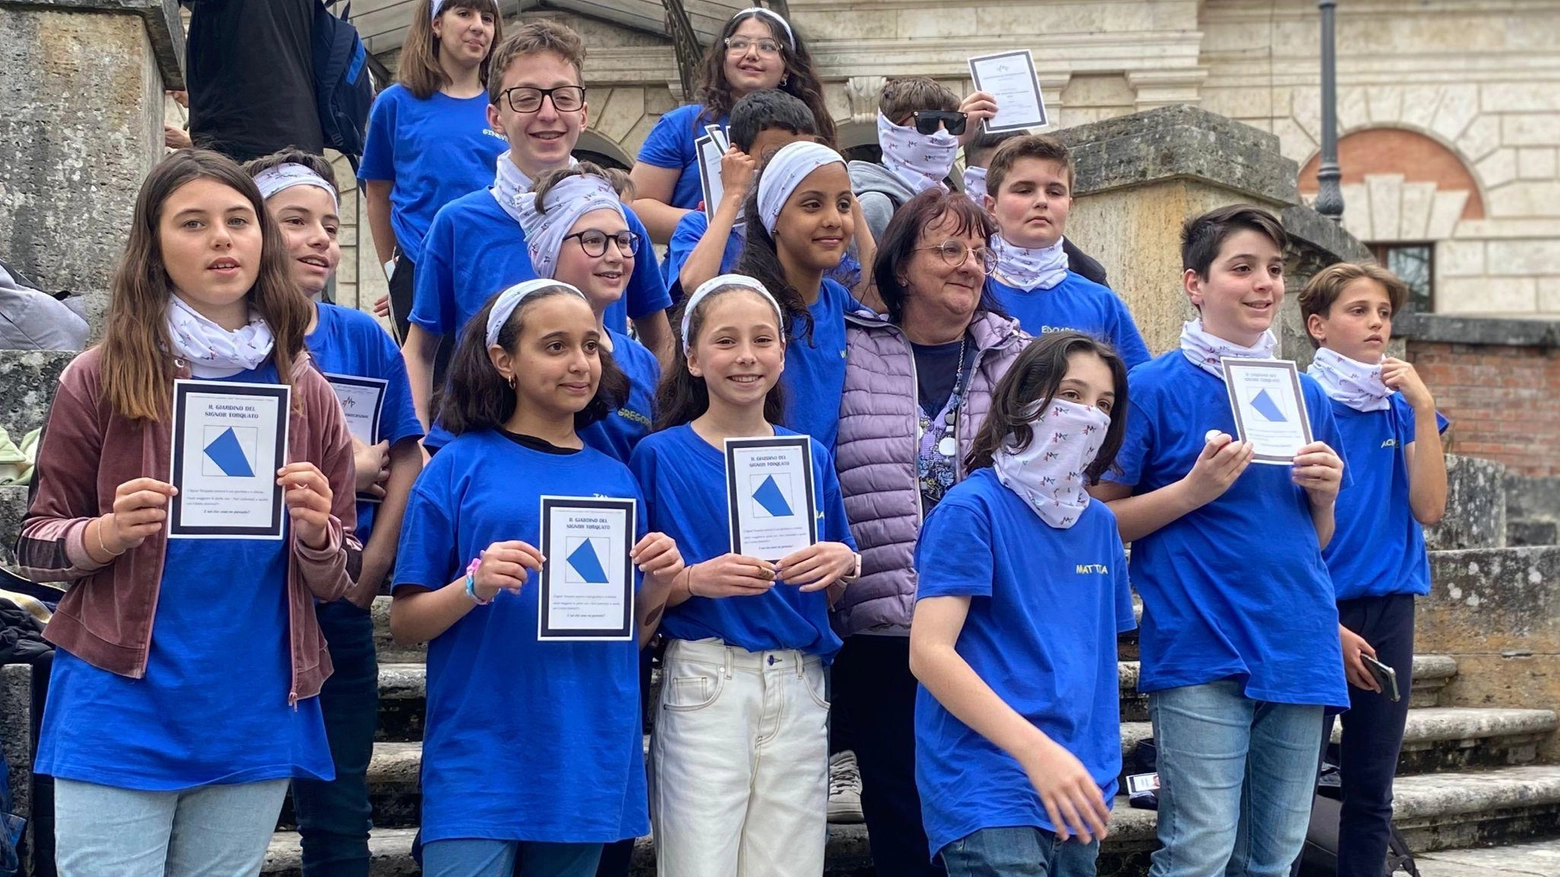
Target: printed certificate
{"x": 1009, "y": 77}
{"x": 1269, "y": 407}
{"x": 228, "y": 441}
{"x": 769, "y": 494}
{"x": 587, "y": 590}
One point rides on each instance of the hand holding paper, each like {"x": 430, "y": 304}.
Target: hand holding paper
{"x": 737, "y": 170}
{"x": 307, "y": 495}
{"x": 817, "y": 566}
{"x": 657, "y": 555}
{"x": 731, "y": 575}
{"x": 1319, "y": 470}
{"x": 977, "y": 108}
{"x": 140, "y": 510}
{"x": 1221, "y": 462}
{"x": 505, "y": 567}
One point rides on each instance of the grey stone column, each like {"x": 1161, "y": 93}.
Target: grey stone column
{"x": 81, "y": 108}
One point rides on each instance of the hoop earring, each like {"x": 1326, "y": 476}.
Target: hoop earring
{"x": 511, "y": 382}
{"x": 785, "y": 80}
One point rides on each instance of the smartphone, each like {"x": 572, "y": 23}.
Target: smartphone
{"x": 1386, "y": 677}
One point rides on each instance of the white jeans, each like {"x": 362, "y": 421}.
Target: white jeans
{"x": 209, "y": 831}
{"x": 739, "y": 763}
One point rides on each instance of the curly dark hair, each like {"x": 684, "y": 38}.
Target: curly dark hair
{"x": 800, "y": 80}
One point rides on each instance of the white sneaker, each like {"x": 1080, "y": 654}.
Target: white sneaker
{"x": 844, "y": 788}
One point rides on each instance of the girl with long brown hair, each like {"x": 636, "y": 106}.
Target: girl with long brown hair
{"x": 429, "y": 137}
{"x": 757, "y": 49}
{"x": 182, "y": 699}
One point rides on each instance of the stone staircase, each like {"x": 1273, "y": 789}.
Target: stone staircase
{"x": 1468, "y": 776}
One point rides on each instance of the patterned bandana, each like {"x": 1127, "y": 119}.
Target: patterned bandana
{"x": 920, "y": 161}
{"x": 1049, "y": 473}
{"x": 1205, "y": 350}
{"x": 212, "y": 351}
{"x": 1354, "y": 383}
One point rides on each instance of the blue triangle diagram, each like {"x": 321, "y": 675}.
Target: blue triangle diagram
{"x": 229, "y": 456}
{"x": 769, "y": 496}
{"x": 1267, "y": 407}
{"x": 588, "y": 564}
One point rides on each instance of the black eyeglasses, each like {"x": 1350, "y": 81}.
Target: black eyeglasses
{"x": 565, "y": 98}
{"x": 926, "y": 122}
{"x": 955, "y": 252}
{"x": 594, "y": 242}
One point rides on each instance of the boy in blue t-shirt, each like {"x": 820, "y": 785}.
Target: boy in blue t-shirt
{"x": 475, "y": 247}
{"x": 1239, "y": 644}
{"x": 1392, "y": 438}
{"x": 708, "y": 243}
{"x": 362, "y": 363}
{"x": 1029, "y": 194}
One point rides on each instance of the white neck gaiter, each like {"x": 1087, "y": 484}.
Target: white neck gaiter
{"x": 1354, "y": 383}
{"x": 1029, "y": 267}
{"x": 1205, "y": 350}
{"x": 1049, "y": 473}
{"x": 212, "y": 351}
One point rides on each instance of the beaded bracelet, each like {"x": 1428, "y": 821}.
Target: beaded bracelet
{"x": 471, "y": 582}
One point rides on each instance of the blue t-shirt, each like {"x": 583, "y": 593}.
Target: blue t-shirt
{"x": 433, "y": 150}
{"x": 349, "y": 342}
{"x": 212, "y": 708}
{"x": 475, "y": 250}
{"x": 525, "y": 740}
{"x": 1236, "y": 589}
{"x": 670, "y": 145}
{"x": 1076, "y": 303}
{"x": 692, "y": 228}
{"x": 814, "y": 376}
{"x": 1379, "y": 548}
{"x": 1045, "y": 607}
{"x": 617, "y": 435}
{"x": 684, "y": 482}
{"x": 689, "y": 231}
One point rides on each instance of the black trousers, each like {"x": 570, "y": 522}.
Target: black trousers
{"x": 1373, "y": 733}
{"x": 875, "y": 692}
{"x": 401, "y": 292}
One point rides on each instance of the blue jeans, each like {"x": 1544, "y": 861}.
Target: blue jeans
{"x": 201, "y": 832}
{"x": 1021, "y": 851}
{"x": 334, "y": 818}
{"x": 1236, "y": 779}
{"x": 476, "y": 857}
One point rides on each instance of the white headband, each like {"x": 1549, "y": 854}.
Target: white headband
{"x": 724, "y": 281}
{"x": 511, "y": 298}
{"x": 437, "y": 5}
{"x": 785, "y": 171}
{"x": 566, "y": 202}
{"x": 773, "y": 16}
{"x": 285, "y": 176}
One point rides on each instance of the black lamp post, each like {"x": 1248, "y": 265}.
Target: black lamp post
{"x": 1329, "y": 196}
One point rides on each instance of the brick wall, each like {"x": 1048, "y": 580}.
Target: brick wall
{"x": 1503, "y": 399}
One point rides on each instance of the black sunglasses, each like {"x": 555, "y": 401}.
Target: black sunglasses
{"x": 926, "y": 122}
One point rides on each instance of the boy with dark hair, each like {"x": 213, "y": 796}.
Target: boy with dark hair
{"x": 1030, "y": 179}
{"x": 707, "y": 242}
{"x": 1239, "y": 647}
{"x": 1392, "y": 438}
{"x": 475, "y": 246}
{"x": 920, "y": 125}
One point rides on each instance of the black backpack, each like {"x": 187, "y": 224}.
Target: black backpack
{"x": 343, "y": 84}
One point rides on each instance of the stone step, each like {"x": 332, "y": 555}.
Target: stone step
{"x": 1435, "y": 812}
{"x": 401, "y": 691}
{"x": 1435, "y": 739}
{"x": 1442, "y": 738}
{"x": 1539, "y": 859}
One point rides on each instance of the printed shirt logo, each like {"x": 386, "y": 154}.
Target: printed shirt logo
{"x": 1097, "y": 569}
{"x": 635, "y": 416}
{"x": 491, "y": 133}
{"x": 1390, "y": 443}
